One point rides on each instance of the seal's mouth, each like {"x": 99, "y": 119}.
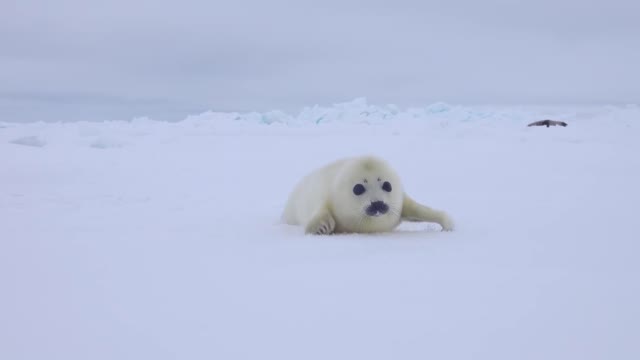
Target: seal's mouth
{"x": 377, "y": 208}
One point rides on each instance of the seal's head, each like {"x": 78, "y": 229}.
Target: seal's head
{"x": 367, "y": 196}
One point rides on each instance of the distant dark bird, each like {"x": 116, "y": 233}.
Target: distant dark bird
{"x": 548, "y": 123}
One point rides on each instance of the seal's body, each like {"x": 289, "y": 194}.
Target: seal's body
{"x": 548, "y": 123}
{"x": 355, "y": 195}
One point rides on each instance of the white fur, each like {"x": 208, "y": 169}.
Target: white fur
{"x": 324, "y": 202}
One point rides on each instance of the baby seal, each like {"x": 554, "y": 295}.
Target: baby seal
{"x": 355, "y": 195}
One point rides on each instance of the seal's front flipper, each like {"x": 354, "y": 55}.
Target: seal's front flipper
{"x": 321, "y": 224}
{"x": 413, "y": 211}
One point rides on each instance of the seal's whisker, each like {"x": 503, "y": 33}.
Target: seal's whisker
{"x": 394, "y": 210}
{"x": 362, "y": 218}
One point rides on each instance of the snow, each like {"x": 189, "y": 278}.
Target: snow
{"x": 29, "y": 141}
{"x": 158, "y": 240}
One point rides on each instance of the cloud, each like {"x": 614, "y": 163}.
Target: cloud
{"x": 165, "y": 59}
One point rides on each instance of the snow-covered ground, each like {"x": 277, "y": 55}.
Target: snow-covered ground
{"x": 155, "y": 240}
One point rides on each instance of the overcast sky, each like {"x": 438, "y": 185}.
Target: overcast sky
{"x": 96, "y": 60}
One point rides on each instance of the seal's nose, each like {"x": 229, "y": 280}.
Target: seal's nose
{"x": 377, "y": 207}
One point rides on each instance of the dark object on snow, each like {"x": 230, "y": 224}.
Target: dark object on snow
{"x": 548, "y": 123}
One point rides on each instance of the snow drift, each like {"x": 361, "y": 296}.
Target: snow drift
{"x": 147, "y": 239}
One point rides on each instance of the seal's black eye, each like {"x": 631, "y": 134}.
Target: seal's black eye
{"x": 386, "y": 186}
{"x": 359, "y": 189}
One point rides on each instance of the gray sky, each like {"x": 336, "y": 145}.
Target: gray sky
{"x": 97, "y": 60}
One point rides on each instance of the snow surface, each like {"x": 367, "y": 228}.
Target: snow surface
{"x": 157, "y": 240}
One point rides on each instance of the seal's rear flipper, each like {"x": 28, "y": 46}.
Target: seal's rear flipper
{"x": 415, "y": 212}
